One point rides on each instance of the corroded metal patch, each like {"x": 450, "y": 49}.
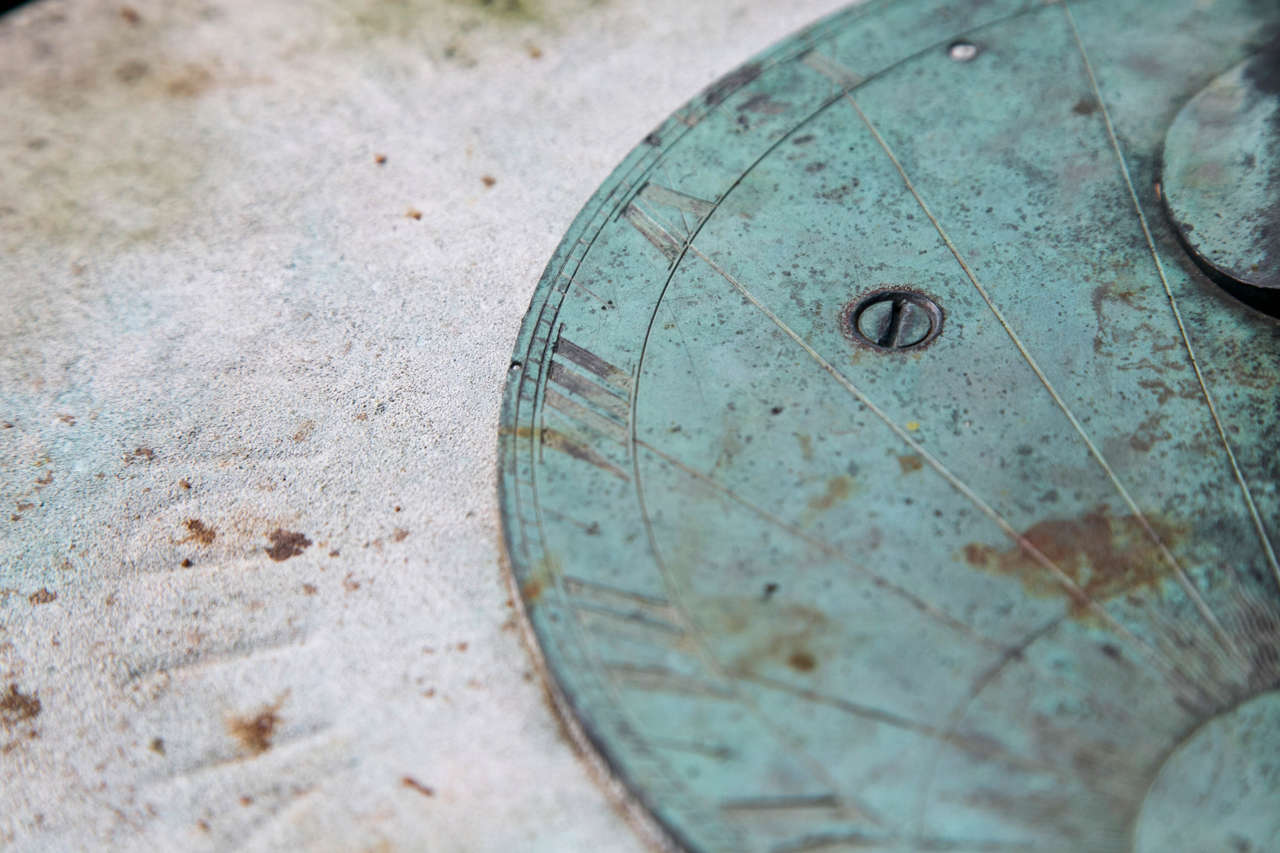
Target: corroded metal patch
{"x": 802, "y": 594}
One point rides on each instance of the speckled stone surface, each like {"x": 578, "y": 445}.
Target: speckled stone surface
{"x": 261, "y": 268}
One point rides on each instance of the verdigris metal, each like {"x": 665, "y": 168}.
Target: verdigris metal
{"x": 1222, "y": 171}
{"x": 807, "y": 585}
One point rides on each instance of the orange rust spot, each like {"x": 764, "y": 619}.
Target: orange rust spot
{"x": 16, "y": 706}
{"x": 400, "y": 534}
{"x": 309, "y": 589}
{"x": 802, "y": 661}
{"x": 286, "y": 544}
{"x": 424, "y": 790}
{"x": 199, "y": 532}
{"x": 42, "y": 596}
{"x": 1103, "y": 556}
{"x": 380, "y": 159}
{"x": 531, "y": 590}
{"x": 413, "y": 213}
{"x": 909, "y": 463}
{"x": 838, "y": 488}
{"x": 192, "y": 82}
{"x": 255, "y": 732}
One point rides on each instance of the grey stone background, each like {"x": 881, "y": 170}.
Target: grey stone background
{"x": 250, "y": 583}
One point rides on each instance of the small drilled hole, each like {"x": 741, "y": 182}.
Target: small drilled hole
{"x": 962, "y": 51}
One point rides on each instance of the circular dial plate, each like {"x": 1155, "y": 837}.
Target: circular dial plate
{"x": 804, "y": 591}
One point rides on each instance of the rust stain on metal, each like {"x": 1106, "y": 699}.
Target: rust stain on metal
{"x": 910, "y": 463}
{"x": 838, "y": 489}
{"x": 1104, "y": 556}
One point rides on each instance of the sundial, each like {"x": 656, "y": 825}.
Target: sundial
{"x": 888, "y": 457}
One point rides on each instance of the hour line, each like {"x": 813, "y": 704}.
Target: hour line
{"x": 1077, "y": 594}
{"x": 1173, "y": 302}
{"x": 1194, "y": 594}
{"x": 832, "y": 551}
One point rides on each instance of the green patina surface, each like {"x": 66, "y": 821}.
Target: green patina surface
{"x": 1222, "y": 171}
{"x": 807, "y": 585}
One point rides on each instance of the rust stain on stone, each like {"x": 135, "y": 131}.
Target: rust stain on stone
{"x": 42, "y": 596}
{"x": 286, "y": 544}
{"x": 16, "y": 706}
{"x": 191, "y": 82}
{"x": 1104, "y": 556}
{"x": 424, "y": 790}
{"x": 198, "y": 531}
{"x": 144, "y": 453}
{"x": 256, "y": 731}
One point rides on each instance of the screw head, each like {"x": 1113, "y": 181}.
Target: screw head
{"x": 893, "y": 320}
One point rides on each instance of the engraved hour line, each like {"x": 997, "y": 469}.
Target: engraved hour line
{"x": 1173, "y": 302}
{"x": 962, "y": 708}
{"x": 923, "y": 606}
{"x": 1077, "y": 594}
{"x": 983, "y": 749}
{"x": 663, "y": 241}
{"x": 838, "y": 74}
{"x": 1201, "y": 606}
{"x": 831, "y": 550}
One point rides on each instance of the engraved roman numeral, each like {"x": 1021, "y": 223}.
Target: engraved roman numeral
{"x": 624, "y": 606}
{"x": 592, "y": 398}
{"x": 662, "y": 680}
{"x": 654, "y": 206}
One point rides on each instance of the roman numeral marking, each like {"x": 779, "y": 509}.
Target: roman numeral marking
{"x": 593, "y": 363}
{"x": 770, "y": 804}
{"x": 631, "y": 607}
{"x": 599, "y": 395}
{"x": 643, "y": 213}
{"x": 592, "y": 397}
{"x": 661, "y": 679}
